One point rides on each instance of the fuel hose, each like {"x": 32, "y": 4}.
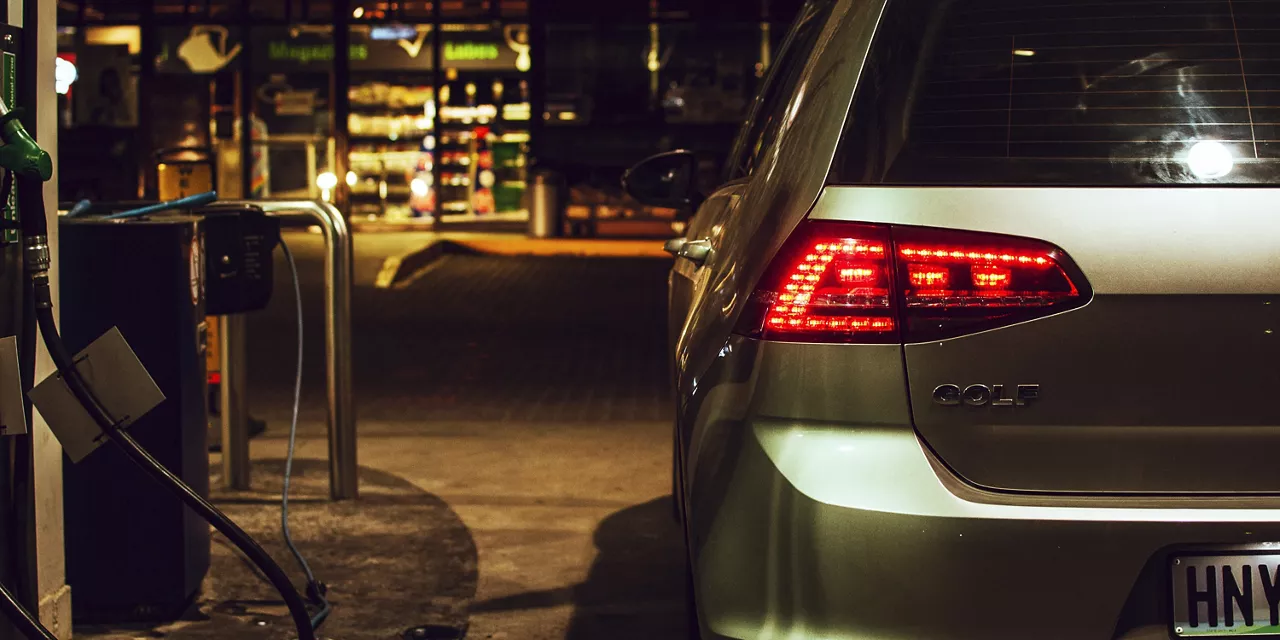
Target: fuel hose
{"x": 35, "y": 238}
{"x": 22, "y": 619}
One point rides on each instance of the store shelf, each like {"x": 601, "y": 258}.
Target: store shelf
{"x": 382, "y": 109}
{"x": 392, "y": 192}
{"x": 408, "y": 138}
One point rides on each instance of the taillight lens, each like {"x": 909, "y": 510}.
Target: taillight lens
{"x": 831, "y": 283}
{"x": 841, "y": 282}
{"x": 991, "y": 281}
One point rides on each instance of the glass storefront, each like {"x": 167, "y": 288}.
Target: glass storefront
{"x": 461, "y": 157}
{"x": 426, "y": 119}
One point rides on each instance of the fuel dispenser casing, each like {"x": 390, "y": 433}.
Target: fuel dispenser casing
{"x": 134, "y": 553}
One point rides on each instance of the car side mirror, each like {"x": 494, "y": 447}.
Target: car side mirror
{"x": 668, "y": 180}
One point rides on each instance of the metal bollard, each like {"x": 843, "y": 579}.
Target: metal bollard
{"x": 546, "y": 206}
{"x": 235, "y": 405}
{"x": 343, "y": 464}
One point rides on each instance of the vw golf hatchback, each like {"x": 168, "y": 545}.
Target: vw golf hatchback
{"x": 980, "y": 336}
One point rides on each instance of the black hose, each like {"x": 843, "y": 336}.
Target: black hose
{"x": 22, "y": 619}
{"x": 18, "y": 615}
{"x": 34, "y": 225}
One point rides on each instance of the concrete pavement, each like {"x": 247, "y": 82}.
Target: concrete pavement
{"x": 514, "y": 444}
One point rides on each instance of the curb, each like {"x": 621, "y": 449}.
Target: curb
{"x": 399, "y": 271}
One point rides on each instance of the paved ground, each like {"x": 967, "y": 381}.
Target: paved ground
{"x": 514, "y": 440}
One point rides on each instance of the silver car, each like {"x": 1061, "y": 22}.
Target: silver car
{"x": 980, "y": 335}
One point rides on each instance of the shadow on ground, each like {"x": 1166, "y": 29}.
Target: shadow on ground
{"x": 635, "y": 588}
{"x": 396, "y": 558}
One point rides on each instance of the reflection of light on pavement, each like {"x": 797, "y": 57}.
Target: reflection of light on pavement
{"x": 1210, "y": 159}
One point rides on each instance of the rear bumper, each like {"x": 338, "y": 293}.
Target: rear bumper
{"x": 814, "y": 531}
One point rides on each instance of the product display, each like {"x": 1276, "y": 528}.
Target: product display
{"x": 453, "y": 152}
{"x": 390, "y": 155}
{"x": 484, "y": 144}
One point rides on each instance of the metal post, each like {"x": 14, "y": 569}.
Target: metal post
{"x": 343, "y": 466}
{"x": 235, "y": 406}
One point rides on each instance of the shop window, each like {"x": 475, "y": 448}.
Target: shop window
{"x": 290, "y": 121}
{"x": 269, "y": 9}
{"x": 372, "y": 10}
{"x": 588, "y": 11}
{"x": 192, "y": 63}
{"x": 68, "y": 14}
{"x": 740, "y": 11}
{"x": 390, "y": 126}
{"x": 410, "y": 10}
{"x": 296, "y": 11}
{"x": 708, "y": 72}
{"x": 598, "y": 74}
{"x": 421, "y": 153}
{"x": 318, "y": 11}
{"x": 467, "y": 9}
{"x": 111, "y": 10}
{"x": 105, "y": 93}
{"x": 514, "y": 9}
{"x": 484, "y": 115}
{"x": 204, "y": 10}
{"x": 130, "y": 36}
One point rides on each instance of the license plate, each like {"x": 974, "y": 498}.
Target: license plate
{"x": 1236, "y": 595}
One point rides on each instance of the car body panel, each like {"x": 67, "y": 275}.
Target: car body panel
{"x": 809, "y": 526}
{"x": 1163, "y": 383}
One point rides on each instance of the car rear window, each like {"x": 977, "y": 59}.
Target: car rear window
{"x": 1068, "y": 92}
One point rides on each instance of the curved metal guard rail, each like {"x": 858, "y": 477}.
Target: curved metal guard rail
{"x": 338, "y": 275}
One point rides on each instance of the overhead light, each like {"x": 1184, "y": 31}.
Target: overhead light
{"x": 326, "y": 181}
{"x": 1210, "y": 159}
{"x": 64, "y": 75}
{"x": 1026, "y": 53}
{"x": 358, "y": 13}
{"x": 352, "y": 178}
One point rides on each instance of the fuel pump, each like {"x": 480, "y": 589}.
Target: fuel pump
{"x": 29, "y": 167}
{"x": 22, "y": 158}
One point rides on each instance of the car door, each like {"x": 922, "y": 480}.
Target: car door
{"x": 689, "y": 275}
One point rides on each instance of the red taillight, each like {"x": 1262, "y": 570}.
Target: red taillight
{"x": 843, "y": 282}
{"x": 991, "y": 277}
{"x": 832, "y": 282}
{"x": 928, "y": 278}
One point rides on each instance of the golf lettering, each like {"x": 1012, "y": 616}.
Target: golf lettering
{"x": 981, "y": 395}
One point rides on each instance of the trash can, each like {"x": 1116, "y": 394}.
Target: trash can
{"x": 546, "y": 204}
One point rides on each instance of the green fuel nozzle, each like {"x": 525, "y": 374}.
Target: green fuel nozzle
{"x": 20, "y": 153}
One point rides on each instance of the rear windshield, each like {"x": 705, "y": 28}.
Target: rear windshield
{"x": 1068, "y": 92}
